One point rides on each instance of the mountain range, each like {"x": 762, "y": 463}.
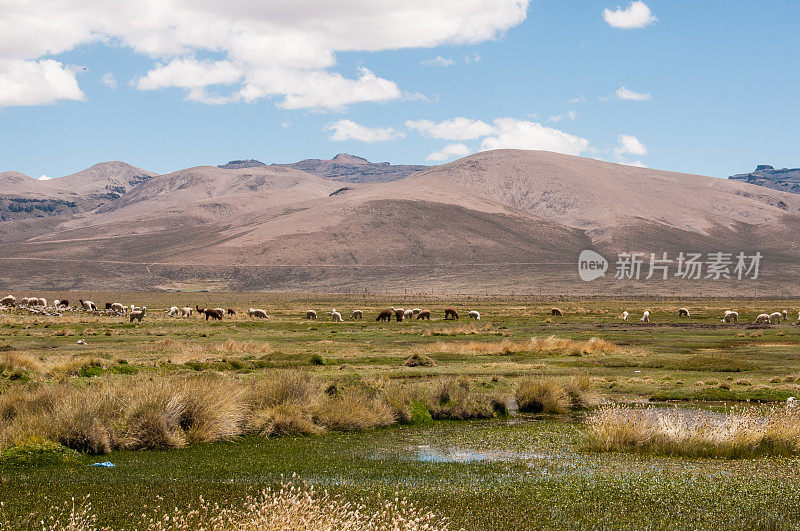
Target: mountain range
{"x": 496, "y": 222}
{"x": 786, "y": 179}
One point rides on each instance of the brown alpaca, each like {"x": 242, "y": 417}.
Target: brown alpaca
{"x": 450, "y": 313}
{"x": 557, "y": 311}
{"x": 230, "y": 311}
{"x": 385, "y": 315}
{"x": 399, "y": 314}
{"x": 424, "y": 314}
{"x": 214, "y": 314}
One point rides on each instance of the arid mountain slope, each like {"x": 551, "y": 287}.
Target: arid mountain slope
{"x": 497, "y": 221}
{"x": 24, "y": 197}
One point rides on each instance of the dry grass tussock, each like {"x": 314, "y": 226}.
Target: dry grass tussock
{"x": 173, "y": 411}
{"x": 543, "y": 394}
{"x": 12, "y": 361}
{"x": 244, "y": 347}
{"x": 463, "y": 330}
{"x": 292, "y": 506}
{"x": 739, "y": 434}
{"x": 548, "y": 345}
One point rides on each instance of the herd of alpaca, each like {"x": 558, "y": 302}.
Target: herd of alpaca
{"x": 40, "y": 305}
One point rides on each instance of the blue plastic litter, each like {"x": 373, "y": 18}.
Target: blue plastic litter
{"x": 104, "y": 464}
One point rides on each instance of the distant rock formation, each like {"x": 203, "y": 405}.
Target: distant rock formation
{"x": 352, "y": 169}
{"x": 239, "y": 164}
{"x": 786, "y": 179}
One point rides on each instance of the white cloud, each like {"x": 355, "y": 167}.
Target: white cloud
{"x": 439, "y": 61}
{"x": 109, "y": 81}
{"x": 456, "y": 129}
{"x": 189, "y": 73}
{"x": 636, "y": 15}
{"x": 579, "y": 99}
{"x": 630, "y": 145}
{"x": 625, "y": 94}
{"x": 281, "y": 50}
{"x": 572, "y": 115}
{"x": 36, "y": 82}
{"x": 449, "y": 151}
{"x": 511, "y": 133}
{"x": 350, "y": 130}
{"x": 44, "y": 178}
{"x": 556, "y": 118}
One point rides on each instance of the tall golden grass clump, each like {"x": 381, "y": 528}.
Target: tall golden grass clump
{"x": 456, "y": 398}
{"x": 740, "y": 433}
{"x": 547, "y": 345}
{"x": 543, "y": 394}
{"x": 292, "y": 506}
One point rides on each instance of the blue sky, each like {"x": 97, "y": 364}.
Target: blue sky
{"x": 699, "y": 87}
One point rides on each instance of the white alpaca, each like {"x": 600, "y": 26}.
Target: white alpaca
{"x": 138, "y": 314}
{"x": 186, "y": 311}
{"x": 119, "y": 308}
{"x": 474, "y": 314}
{"x": 763, "y": 318}
{"x": 646, "y": 316}
{"x": 257, "y": 312}
{"x": 220, "y": 310}
{"x": 173, "y": 312}
{"x": 730, "y": 316}
{"x": 775, "y": 317}
{"x": 88, "y": 305}
{"x": 357, "y": 314}
{"x": 408, "y": 314}
{"x": 311, "y": 314}
{"x": 336, "y": 316}
{"x": 683, "y": 312}
{"x": 625, "y": 316}
{"x": 9, "y": 300}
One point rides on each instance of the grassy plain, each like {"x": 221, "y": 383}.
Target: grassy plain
{"x": 529, "y": 471}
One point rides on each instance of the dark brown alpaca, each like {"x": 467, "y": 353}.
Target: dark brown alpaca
{"x": 557, "y": 311}
{"x": 231, "y": 311}
{"x": 399, "y": 314}
{"x": 108, "y": 306}
{"x": 214, "y": 314}
{"x": 385, "y": 315}
{"x": 450, "y": 313}
{"x": 64, "y": 303}
{"x": 424, "y": 314}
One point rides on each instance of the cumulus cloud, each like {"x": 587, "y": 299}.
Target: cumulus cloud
{"x": 281, "y": 50}
{"x": 456, "y": 129}
{"x": 439, "y": 61}
{"x": 449, "y": 61}
{"x": 502, "y": 133}
{"x": 36, "y": 82}
{"x": 625, "y": 94}
{"x": 630, "y": 145}
{"x": 109, "y": 81}
{"x": 636, "y": 15}
{"x": 449, "y": 151}
{"x": 350, "y": 130}
{"x": 511, "y": 133}
{"x": 579, "y": 99}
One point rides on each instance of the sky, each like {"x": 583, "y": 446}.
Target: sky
{"x": 701, "y": 87}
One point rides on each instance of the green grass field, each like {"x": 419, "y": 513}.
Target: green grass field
{"x": 527, "y": 471}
